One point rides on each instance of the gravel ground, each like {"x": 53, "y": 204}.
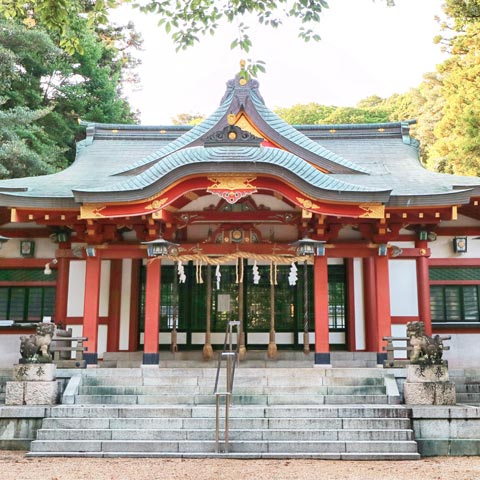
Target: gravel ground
{"x": 15, "y": 466}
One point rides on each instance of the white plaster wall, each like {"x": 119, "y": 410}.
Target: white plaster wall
{"x": 442, "y": 247}
{"x": 198, "y": 338}
{"x": 125, "y": 303}
{"x": 337, "y": 338}
{"x": 403, "y": 288}
{"x": 464, "y": 351}
{"x": 258, "y": 338}
{"x": 335, "y": 261}
{"x": 44, "y": 247}
{"x": 102, "y": 340}
{"x": 10, "y": 349}
{"x": 311, "y": 338}
{"x": 360, "y": 338}
{"x": 76, "y": 288}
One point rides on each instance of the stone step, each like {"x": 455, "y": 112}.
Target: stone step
{"x": 204, "y": 446}
{"x": 239, "y": 390}
{"x": 242, "y": 411}
{"x": 191, "y": 423}
{"x": 468, "y": 398}
{"x": 467, "y": 388}
{"x": 240, "y": 381}
{"x": 298, "y": 372}
{"x": 234, "y": 434}
{"x": 199, "y": 399}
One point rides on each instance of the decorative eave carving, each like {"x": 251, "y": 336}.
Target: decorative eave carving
{"x": 232, "y": 136}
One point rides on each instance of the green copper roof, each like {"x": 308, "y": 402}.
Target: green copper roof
{"x": 297, "y": 141}
{"x": 240, "y": 159}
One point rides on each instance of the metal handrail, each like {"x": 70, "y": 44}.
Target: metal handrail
{"x": 231, "y": 358}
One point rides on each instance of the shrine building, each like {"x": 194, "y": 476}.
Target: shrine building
{"x": 318, "y": 238}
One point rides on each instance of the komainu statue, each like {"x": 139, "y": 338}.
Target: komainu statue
{"x": 426, "y": 350}
{"x": 36, "y": 348}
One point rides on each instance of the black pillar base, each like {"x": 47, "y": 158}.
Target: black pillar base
{"x": 381, "y": 357}
{"x": 90, "y": 358}
{"x": 322, "y": 358}
{"x": 151, "y": 359}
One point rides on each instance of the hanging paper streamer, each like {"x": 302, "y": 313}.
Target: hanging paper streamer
{"x": 198, "y": 272}
{"x": 181, "y": 272}
{"x": 292, "y": 276}
{"x": 273, "y": 273}
{"x": 256, "y": 274}
{"x": 218, "y": 275}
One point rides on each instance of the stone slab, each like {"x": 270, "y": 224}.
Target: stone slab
{"x": 41, "y": 393}
{"x": 429, "y": 393}
{"x": 15, "y": 393}
{"x": 34, "y": 372}
{"x": 432, "y": 373}
{"x": 31, "y": 393}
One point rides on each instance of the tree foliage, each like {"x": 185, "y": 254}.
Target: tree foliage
{"x": 316, "y": 114}
{"x": 44, "y": 91}
{"x": 456, "y": 144}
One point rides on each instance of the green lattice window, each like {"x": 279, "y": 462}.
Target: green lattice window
{"x": 336, "y": 298}
{"x": 455, "y": 303}
{"x": 27, "y": 304}
{"x": 454, "y": 273}
{"x": 26, "y": 275}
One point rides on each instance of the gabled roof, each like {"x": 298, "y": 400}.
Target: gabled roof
{"x": 341, "y": 163}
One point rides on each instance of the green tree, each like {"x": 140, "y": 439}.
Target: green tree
{"x": 25, "y": 146}
{"x": 456, "y": 146}
{"x": 309, "y": 114}
{"x": 316, "y": 114}
{"x": 46, "y": 91}
{"x": 188, "y": 119}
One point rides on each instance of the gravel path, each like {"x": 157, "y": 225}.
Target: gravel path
{"x": 15, "y": 466}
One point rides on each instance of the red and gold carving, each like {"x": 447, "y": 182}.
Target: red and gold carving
{"x": 232, "y": 188}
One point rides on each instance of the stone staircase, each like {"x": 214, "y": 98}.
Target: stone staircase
{"x": 276, "y": 413}
{"x": 467, "y": 386}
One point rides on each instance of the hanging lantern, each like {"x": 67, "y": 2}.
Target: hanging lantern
{"x": 159, "y": 247}
{"x": 308, "y": 247}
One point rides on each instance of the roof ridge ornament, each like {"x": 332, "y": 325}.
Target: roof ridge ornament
{"x": 232, "y": 136}
{"x": 242, "y": 84}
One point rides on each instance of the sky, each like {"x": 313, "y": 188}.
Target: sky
{"x": 366, "y": 49}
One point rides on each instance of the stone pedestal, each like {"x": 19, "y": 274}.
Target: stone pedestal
{"x": 428, "y": 385}
{"x": 34, "y": 384}
{"x": 34, "y": 372}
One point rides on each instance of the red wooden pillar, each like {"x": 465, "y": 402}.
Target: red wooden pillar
{"x": 351, "y": 341}
{"x": 61, "y": 293}
{"x": 382, "y": 289}
{"x": 114, "y": 305}
{"x": 152, "y": 313}
{"x": 90, "y": 308}
{"x": 320, "y": 285}
{"x": 370, "y": 304}
{"x": 133, "y": 331}
{"x": 423, "y": 289}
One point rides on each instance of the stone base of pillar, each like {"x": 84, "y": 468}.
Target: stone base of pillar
{"x": 90, "y": 358}
{"x": 322, "y": 358}
{"x": 151, "y": 359}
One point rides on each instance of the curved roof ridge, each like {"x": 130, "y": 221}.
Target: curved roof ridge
{"x": 266, "y": 155}
{"x": 291, "y": 134}
{"x": 184, "y": 140}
